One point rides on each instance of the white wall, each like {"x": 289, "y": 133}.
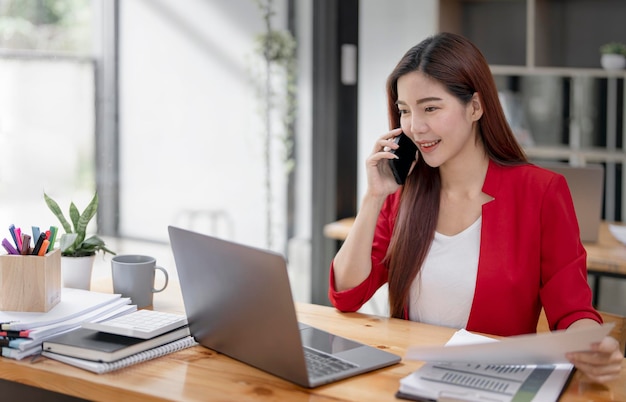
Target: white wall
{"x": 387, "y": 29}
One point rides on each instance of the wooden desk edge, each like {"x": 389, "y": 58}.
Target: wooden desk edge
{"x": 175, "y": 377}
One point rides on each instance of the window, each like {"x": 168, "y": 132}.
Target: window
{"x": 47, "y": 107}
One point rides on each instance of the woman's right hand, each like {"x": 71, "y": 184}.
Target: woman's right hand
{"x": 353, "y": 262}
{"x": 380, "y": 180}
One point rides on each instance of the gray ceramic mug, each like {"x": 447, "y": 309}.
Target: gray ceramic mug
{"x": 133, "y": 276}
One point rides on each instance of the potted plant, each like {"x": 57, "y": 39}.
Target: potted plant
{"x": 77, "y": 251}
{"x": 613, "y": 56}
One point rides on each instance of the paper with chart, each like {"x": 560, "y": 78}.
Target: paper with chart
{"x": 542, "y": 348}
{"x": 487, "y": 382}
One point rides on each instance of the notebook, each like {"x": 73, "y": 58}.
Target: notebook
{"x": 94, "y": 345}
{"x": 586, "y": 183}
{"x": 238, "y": 302}
{"x": 105, "y": 367}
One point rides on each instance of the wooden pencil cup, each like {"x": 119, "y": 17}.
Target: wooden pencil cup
{"x": 29, "y": 282}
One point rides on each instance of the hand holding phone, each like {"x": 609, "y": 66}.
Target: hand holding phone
{"x": 406, "y": 155}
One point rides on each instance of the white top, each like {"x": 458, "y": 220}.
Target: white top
{"x": 443, "y": 291}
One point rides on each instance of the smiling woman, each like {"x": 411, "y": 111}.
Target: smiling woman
{"x": 477, "y": 237}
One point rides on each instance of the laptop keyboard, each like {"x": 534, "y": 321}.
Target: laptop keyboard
{"x": 320, "y": 364}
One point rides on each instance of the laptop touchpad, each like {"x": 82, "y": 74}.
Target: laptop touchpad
{"x": 326, "y": 342}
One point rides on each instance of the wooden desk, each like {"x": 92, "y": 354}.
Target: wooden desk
{"x": 338, "y": 230}
{"x": 199, "y": 374}
{"x": 607, "y": 257}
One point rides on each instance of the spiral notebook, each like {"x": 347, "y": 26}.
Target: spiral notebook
{"x": 101, "y": 368}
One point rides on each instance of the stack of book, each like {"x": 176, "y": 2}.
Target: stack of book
{"x": 121, "y": 342}
{"x": 22, "y": 333}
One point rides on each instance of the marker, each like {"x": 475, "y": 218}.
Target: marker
{"x": 53, "y": 235}
{"x": 44, "y": 247}
{"x": 36, "y": 232}
{"x": 13, "y": 235}
{"x": 25, "y": 243}
{"x": 39, "y": 243}
{"x": 18, "y": 234}
{"x": 9, "y": 247}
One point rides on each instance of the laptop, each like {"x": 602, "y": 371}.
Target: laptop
{"x": 586, "y": 183}
{"x": 238, "y": 302}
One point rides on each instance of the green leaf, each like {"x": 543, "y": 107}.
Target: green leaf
{"x": 56, "y": 210}
{"x": 73, "y": 243}
{"x": 67, "y": 243}
{"x": 88, "y": 213}
{"x": 74, "y": 215}
{"x": 94, "y": 241}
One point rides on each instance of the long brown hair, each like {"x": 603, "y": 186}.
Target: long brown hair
{"x": 462, "y": 69}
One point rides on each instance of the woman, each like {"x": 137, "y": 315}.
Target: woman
{"x": 477, "y": 237}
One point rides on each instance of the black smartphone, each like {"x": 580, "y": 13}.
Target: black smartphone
{"x": 406, "y": 155}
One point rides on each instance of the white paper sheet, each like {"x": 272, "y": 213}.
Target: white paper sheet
{"x": 74, "y": 302}
{"x": 486, "y": 382}
{"x": 542, "y": 348}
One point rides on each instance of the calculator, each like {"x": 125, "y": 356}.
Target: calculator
{"x": 144, "y": 324}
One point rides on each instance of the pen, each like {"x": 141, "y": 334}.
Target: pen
{"x": 39, "y": 243}
{"x": 8, "y": 247}
{"x": 25, "y": 243}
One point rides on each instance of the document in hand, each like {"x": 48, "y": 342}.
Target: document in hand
{"x": 542, "y": 348}
{"x": 472, "y": 367}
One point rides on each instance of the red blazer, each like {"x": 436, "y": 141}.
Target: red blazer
{"x": 530, "y": 255}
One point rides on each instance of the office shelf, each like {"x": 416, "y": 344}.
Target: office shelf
{"x": 558, "y": 39}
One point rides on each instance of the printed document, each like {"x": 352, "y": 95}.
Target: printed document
{"x": 542, "y": 348}
{"x": 471, "y": 367}
{"x": 486, "y": 382}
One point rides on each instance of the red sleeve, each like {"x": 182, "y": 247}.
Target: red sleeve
{"x": 353, "y": 299}
{"x": 565, "y": 292}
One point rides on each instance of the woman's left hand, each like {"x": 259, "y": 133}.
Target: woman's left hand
{"x": 602, "y": 363}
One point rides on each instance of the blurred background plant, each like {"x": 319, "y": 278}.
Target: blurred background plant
{"x": 613, "y": 48}
{"x": 277, "y": 49}
{"x": 48, "y": 25}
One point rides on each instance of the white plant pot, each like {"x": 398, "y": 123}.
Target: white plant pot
{"x": 613, "y": 62}
{"x": 76, "y": 272}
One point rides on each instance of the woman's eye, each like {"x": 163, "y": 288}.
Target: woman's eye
{"x": 401, "y": 111}
{"x": 430, "y": 109}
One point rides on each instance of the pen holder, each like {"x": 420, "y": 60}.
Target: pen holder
{"x": 29, "y": 282}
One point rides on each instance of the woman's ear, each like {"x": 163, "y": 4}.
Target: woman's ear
{"x": 476, "y": 107}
